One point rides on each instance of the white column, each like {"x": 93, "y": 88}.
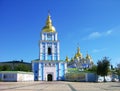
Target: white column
{"x": 58, "y": 57}
{"x": 39, "y": 71}
{"x": 58, "y": 47}
{"x": 53, "y": 48}
{"x": 42, "y": 36}
{"x": 58, "y": 52}
{"x": 53, "y": 51}
{"x": 41, "y": 51}
{"x": 65, "y": 67}
{"x": 56, "y": 37}
{"x": 52, "y": 37}
{"x": 40, "y": 56}
{"x": 52, "y": 56}
{"x": 45, "y": 36}
{"x": 41, "y": 48}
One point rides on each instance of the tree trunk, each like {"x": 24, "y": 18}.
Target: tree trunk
{"x": 104, "y": 79}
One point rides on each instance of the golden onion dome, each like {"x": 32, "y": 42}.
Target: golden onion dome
{"x": 48, "y": 27}
{"x": 76, "y": 56}
{"x": 67, "y": 59}
{"x": 78, "y": 52}
{"x": 88, "y": 57}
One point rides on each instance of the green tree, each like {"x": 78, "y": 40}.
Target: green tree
{"x": 22, "y": 67}
{"x": 103, "y": 67}
{"x": 118, "y": 69}
{"x": 0, "y": 68}
{"x": 93, "y": 69}
{"x": 6, "y": 68}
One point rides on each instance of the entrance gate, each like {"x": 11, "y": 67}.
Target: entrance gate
{"x": 49, "y": 77}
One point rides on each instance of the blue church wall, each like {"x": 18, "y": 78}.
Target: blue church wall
{"x": 35, "y": 71}
{"x": 57, "y": 71}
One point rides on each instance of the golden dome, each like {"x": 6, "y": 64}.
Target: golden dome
{"x": 78, "y": 52}
{"x": 88, "y": 57}
{"x": 48, "y": 27}
{"x": 67, "y": 59}
{"x": 76, "y": 56}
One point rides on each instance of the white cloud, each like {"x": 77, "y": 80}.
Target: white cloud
{"x": 108, "y": 32}
{"x": 98, "y": 50}
{"x": 95, "y": 35}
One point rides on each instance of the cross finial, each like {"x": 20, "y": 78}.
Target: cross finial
{"x": 87, "y": 52}
{"x": 49, "y": 12}
{"x": 78, "y": 44}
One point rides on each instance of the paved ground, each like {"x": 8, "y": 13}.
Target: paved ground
{"x": 59, "y": 86}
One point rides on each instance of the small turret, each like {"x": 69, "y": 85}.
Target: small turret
{"x": 67, "y": 59}
{"x": 88, "y": 57}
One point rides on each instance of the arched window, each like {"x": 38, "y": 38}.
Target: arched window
{"x": 49, "y": 51}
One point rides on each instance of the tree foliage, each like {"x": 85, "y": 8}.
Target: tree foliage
{"x": 118, "y": 69}
{"x": 15, "y": 67}
{"x": 22, "y": 67}
{"x": 93, "y": 69}
{"x": 5, "y": 68}
{"x": 103, "y": 67}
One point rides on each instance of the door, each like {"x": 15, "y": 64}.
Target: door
{"x": 49, "y": 77}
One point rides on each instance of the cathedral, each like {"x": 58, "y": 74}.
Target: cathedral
{"x": 79, "y": 61}
{"x": 49, "y": 67}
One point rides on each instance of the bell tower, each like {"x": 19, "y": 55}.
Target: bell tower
{"x": 48, "y": 66}
{"x": 49, "y": 43}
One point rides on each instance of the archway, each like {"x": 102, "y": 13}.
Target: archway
{"x": 49, "y": 77}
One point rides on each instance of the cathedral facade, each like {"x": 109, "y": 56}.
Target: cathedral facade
{"x": 49, "y": 66}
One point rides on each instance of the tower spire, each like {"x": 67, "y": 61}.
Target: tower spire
{"x": 48, "y": 12}
{"x": 49, "y": 21}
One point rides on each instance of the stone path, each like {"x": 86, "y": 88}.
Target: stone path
{"x": 59, "y": 86}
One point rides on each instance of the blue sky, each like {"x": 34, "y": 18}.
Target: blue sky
{"x": 93, "y": 24}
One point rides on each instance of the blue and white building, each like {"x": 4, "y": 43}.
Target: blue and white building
{"x": 49, "y": 67}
